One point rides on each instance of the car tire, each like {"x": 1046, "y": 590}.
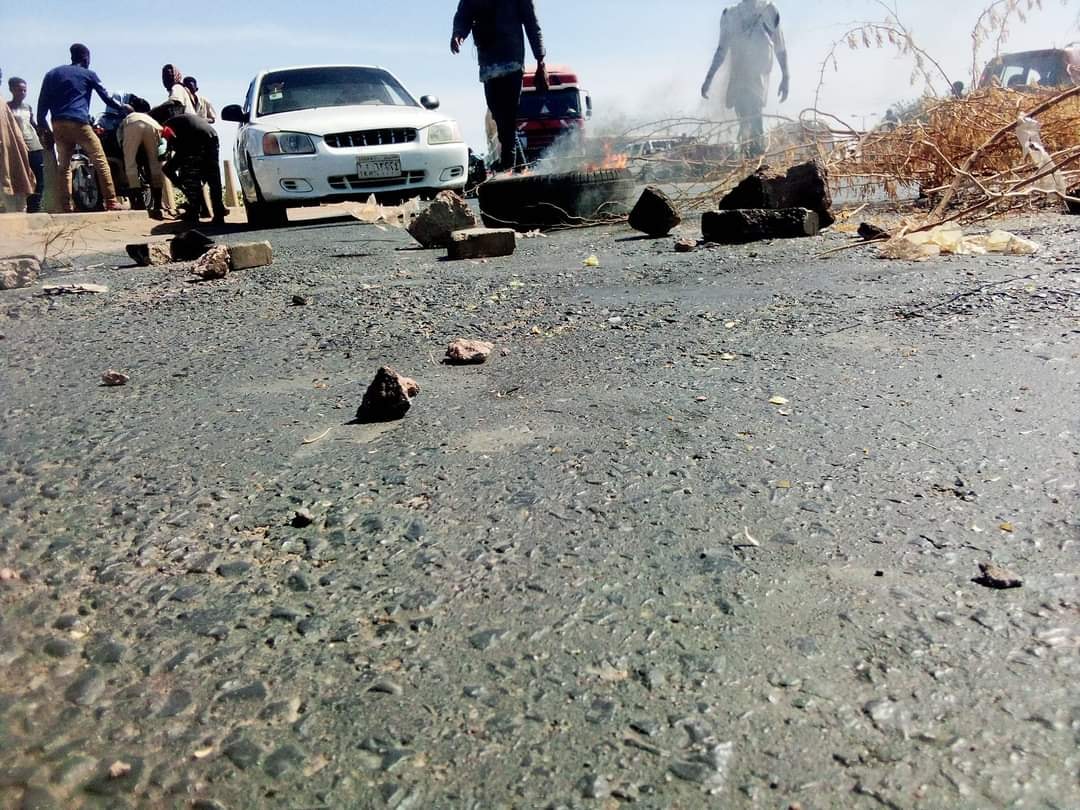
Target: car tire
{"x": 266, "y": 215}
{"x": 261, "y": 214}
{"x": 529, "y": 202}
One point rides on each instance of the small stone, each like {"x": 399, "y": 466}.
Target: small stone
{"x": 468, "y": 352}
{"x": 486, "y": 639}
{"x": 236, "y": 568}
{"x": 654, "y": 214}
{"x": 214, "y": 264}
{"x": 116, "y": 776}
{"x": 104, "y": 651}
{"x": 302, "y": 518}
{"x": 253, "y": 691}
{"x": 243, "y": 753}
{"x": 250, "y": 255}
{"x": 998, "y": 578}
{"x": 203, "y": 564}
{"x": 111, "y": 379}
{"x": 19, "y": 272}
{"x": 685, "y": 245}
{"x": 394, "y": 757}
{"x": 185, "y": 594}
{"x": 86, "y": 689}
{"x": 595, "y": 787}
{"x": 176, "y": 703}
{"x": 155, "y": 254}
{"x": 869, "y": 231}
{"x": 386, "y": 688}
{"x": 297, "y": 582}
{"x": 448, "y": 212}
{"x": 300, "y": 300}
{"x": 283, "y": 760}
{"x": 59, "y": 648}
{"x": 482, "y": 243}
{"x": 388, "y": 398}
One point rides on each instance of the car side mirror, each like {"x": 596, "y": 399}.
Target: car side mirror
{"x": 234, "y": 113}
{"x": 588, "y": 106}
{"x": 430, "y": 102}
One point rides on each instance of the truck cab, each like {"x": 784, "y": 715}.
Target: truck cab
{"x": 546, "y": 118}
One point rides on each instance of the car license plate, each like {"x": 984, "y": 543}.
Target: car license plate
{"x": 378, "y": 168}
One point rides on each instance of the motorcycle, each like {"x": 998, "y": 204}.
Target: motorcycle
{"x": 85, "y": 191}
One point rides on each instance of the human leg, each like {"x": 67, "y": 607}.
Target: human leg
{"x": 64, "y": 133}
{"x": 503, "y": 95}
{"x": 37, "y": 165}
{"x": 133, "y": 139}
{"x": 212, "y": 179}
{"x": 88, "y": 140}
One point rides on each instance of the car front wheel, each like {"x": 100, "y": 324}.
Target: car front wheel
{"x": 262, "y": 214}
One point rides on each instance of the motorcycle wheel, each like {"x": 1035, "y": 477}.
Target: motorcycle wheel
{"x": 141, "y": 198}
{"x": 85, "y": 194}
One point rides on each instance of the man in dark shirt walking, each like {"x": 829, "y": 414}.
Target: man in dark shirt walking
{"x": 192, "y": 161}
{"x": 496, "y": 27}
{"x": 65, "y": 98}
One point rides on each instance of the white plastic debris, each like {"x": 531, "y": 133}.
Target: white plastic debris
{"x": 1029, "y": 133}
{"x": 951, "y": 239}
{"x": 396, "y": 216}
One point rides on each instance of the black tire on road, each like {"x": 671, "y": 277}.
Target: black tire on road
{"x": 261, "y": 214}
{"x": 528, "y": 202}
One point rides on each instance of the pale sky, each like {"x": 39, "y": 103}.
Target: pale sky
{"x": 639, "y": 58}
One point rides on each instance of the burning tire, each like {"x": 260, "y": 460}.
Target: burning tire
{"x": 535, "y": 201}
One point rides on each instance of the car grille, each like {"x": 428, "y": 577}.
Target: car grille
{"x": 370, "y": 137}
{"x": 352, "y": 182}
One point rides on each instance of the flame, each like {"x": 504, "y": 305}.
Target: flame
{"x": 611, "y": 160}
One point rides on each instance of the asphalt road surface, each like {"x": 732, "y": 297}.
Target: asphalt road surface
{"x": 702, "y": 533}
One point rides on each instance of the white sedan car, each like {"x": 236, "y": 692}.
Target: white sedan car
{"x": 318, "y": 134}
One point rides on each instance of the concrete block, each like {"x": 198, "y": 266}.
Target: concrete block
{"x": 448, "y": 212}
{"x": 251, "y": 254}
{"x": 655, "y": 214}
{"x": 482, "y": 243}
{"x": 756, "y": 224}
{"x": 153, "y": 254}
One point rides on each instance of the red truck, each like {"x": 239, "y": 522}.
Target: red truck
{"x": 558, "y": 115}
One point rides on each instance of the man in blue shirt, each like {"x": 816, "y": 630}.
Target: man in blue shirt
{"x": 65, "y": 98}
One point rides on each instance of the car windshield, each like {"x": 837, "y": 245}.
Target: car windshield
{"x": 554, "y": 104}
{"x": 307, "y": 88}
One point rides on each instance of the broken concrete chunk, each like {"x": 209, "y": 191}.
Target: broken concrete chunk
{"x": 803, "y": 186}
{"x": 388, "y": 398}
{"x": 740, "y": 227}
{"x": 685, "y": 245}
{"x": 251, "y": 254}
{"x": 154, "y": 254}
{"x": 189, "y": 246}
{"x": 214, "y": 264}
{"x": 998, "y": 578}
{"x": 468, "y": 352}
{"x": 655, "y": 214}
{"x": 482, "y": 243}
{"x": 19, "y": 272}
{"x": 447, "y": 213}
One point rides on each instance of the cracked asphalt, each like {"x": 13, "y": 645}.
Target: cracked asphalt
{"x": 702, "y": 533}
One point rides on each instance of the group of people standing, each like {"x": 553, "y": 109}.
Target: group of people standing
{"x": 175, "y": 141}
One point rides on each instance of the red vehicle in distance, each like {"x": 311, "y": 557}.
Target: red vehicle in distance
{"x": 545, "y": 119}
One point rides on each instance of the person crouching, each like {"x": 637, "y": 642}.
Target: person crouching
{"x": 193, "y": 160}
{"x": 140, "y": 132}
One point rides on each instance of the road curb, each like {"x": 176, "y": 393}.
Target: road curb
{"x": 16, "y": 225}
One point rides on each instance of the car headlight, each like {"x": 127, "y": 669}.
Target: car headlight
{"x": 446, "y": 132}
{"x": 287, "y": 143}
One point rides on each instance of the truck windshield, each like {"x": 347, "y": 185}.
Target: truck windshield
{"x": 307, "y": 88}
{"x": 556, "y": 104}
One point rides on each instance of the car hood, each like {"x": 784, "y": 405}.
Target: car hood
{"x": 326, "y": 120}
